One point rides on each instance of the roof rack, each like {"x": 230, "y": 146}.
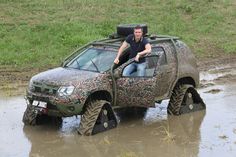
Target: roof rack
{"x": 97, "y": 43}
{"x": 116, "y": 38}
{"x": 165, "y": 36}
{"x": 153, "y": 36}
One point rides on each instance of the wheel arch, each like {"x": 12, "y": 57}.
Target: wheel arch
{"x": 98, "y": 95}
{"x": 187, "y": 80}
{"x": 183, "y": 80}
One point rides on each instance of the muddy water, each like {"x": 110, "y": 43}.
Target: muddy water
{"x": 205, "y": 133}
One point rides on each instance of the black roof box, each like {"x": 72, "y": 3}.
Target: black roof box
{"x": 127, "y": 29}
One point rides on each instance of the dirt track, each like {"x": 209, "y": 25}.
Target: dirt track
{"x": 206, "y": 133}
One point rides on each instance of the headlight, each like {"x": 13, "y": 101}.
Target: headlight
{"x": 65, "y": 91}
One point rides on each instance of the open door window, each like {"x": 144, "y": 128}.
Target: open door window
{"x": 151, "y": 64}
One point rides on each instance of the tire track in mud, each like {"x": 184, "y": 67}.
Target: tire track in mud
{"x": 219, "y": 75}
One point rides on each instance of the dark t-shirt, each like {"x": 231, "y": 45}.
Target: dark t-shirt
{"x": 136, "y": 47}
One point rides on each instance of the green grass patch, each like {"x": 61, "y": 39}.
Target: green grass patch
{"x": 42, "y": 33}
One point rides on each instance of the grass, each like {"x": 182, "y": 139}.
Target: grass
{"x": 42, "y": 33}
{"x": 169, "y": 137}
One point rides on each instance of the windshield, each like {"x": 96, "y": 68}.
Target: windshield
{"x": 93, "y": 59}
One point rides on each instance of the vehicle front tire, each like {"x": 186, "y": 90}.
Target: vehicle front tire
{"x": 98, "y": 117}
{"x": 31, "y": 117}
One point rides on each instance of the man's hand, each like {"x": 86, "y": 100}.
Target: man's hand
{"x": 116, "y": 61}
{"x": 137, "y": 57}
{"x": 147, "y": 50}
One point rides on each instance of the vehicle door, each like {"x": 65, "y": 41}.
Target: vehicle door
{"x": 165, "y": 74}
{"x": 138, "y": 90}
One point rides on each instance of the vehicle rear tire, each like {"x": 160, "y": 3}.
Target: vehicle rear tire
{"x": 185, "y": 99}
{"x": 98, "y": 117}
{"x": 127, "y": 29}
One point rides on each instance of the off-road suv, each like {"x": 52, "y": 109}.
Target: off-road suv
{"x": 90, "y": 85}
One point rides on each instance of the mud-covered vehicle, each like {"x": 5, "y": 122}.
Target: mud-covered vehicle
{"x": 89, "y": 83}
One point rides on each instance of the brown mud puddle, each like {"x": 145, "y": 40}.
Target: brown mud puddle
{"x": 200, "y": 134}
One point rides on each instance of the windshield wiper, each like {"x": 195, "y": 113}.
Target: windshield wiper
{"x": 94, "y": 65}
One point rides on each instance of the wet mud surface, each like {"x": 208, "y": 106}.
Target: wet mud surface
{"x": 200, "y": 134}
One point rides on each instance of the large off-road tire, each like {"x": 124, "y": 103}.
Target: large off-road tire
{"x": 185, "y": 99}
{"x": 126, "y": 29}
{"x": 31, "y": 117}
{"x": 98, "y": 117}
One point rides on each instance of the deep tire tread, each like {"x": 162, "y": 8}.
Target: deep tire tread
{"x": 177, "y": 99}
{"x": 29, "y": 117}
{"x": 89, "y": 118}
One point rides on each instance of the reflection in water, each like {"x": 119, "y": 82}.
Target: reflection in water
{"x": 172, "y": 136}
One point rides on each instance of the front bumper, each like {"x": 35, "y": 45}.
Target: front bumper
{"x": 55, "y": 106}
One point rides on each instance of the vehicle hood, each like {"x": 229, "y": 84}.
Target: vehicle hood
{"x": 64, "y": 76}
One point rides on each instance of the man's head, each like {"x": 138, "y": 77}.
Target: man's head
{"x": 138, "y": 32}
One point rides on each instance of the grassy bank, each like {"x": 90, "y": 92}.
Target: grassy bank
{"x": 41, "y": 33}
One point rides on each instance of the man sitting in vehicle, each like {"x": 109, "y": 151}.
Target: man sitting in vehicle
{"x": 139, "y": 47}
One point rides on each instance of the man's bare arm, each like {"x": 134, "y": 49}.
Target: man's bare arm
{"x": 121, "y": 49}
{"x": 148, "y": 49}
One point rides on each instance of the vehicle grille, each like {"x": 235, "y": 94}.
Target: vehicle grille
{"x": 45, "y": 89}
{"x": 44, "y": 99}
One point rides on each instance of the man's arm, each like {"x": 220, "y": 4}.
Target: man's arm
{"x": 148, "y": 49}
{"x": 121, "y": 49}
